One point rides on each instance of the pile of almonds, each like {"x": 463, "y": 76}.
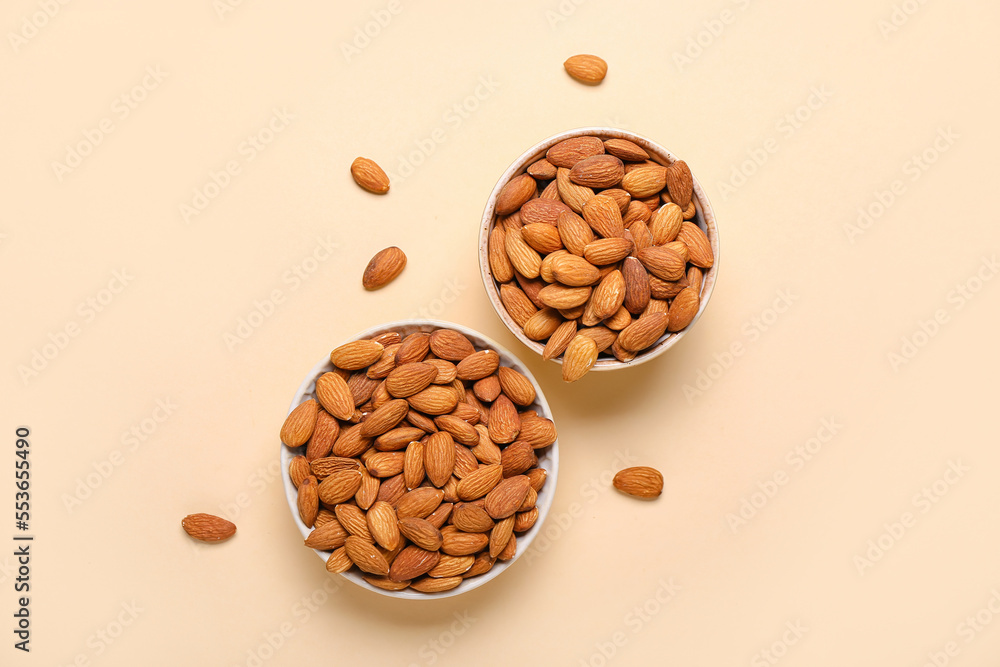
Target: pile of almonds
{"x": 418, "y": 461}
{"x": 593, "y": 251}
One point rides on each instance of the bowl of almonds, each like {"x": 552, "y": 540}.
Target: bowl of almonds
{"x": 420, "y": 459}
{"x": 598, "y": 249}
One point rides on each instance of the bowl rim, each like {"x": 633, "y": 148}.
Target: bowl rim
{"x": 704, "y": 217}
{"x": 550, "y": 456}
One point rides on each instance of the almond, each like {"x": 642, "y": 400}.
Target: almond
{"x": 356, "y": 354}
{"x": 607, "y": 251}
{"x": 523, "y": 257}
{"x": 538, "y": 432}
{"x": 602, "y": 336}
{"x": 384, "y": 418}
{"x": 446, "y": 371}
{"x": 620, "y": 319}
{"x": 471, "y": 518}
{"x": 517, "y": 458}
{"x": 509, "y": 550}
{"x": 327, "y": 537}
{"x": 625, "y": 150}
{"x": 504, "y": 421}
{"x": 574, "y": 232}
{"x": 542, "y": 324}
{"x": 438, "y": 517}
{"x": 636, "y": 212}
{"x": 639, "y": 481}
{"x": 517, "y": 386}
{"x": 645, "y": 181}
{"x": 482, "y": 565}
{"x": 324, "y": 434}
{"x": 434, "y": 400}
{"x": 568, "y": 152}
{"x": 580, "y": 356}
{"x": 488, "y": 388}
{"x": 501, "y": 535}
{"x": 413, "y": 562}
{"x": 479, "y": 483}
{"x": 507, "y": 496}
{"x": 368, "y": 491}
{"x": 353, "y": 520}
{"x": 369, "y": 175}
{"x": 419, "y": 502}
{"x": 604, "y": 216}
{"x": 413, "y": 465}
{"x": 575, "y": 271}
{"x": 586, "y": 68}
{"x": 298, "y": 470}
{"x": 559, "y": 340}
{"x": 680, "y": 183}
{"x": 518, "y": 305}
{"x": 575, "y": 196}
{"x": 383, "y": 268}
{"x": 439, "y": 458}
{"x": 666, "y": 289}
{"x": 364, "y": 554}
{"x": 662, "y": 262}
{"x": 340, "y": 486}
{"x": 525, "y": 520}
{"x": 694, "y": 278}
{"x": 542, "y": 170}
{"x": 451, "y": 345}
{"x": 326, "y": 466}
{"x": 543, "y": 211}
{"x": 683, "y": 309}
{"x": 308, "y": 501}
{"x": 500, "y": 265}
{"x": 421, "y": 532}
{"x": 665, "y": 224}
{"x": 542, "y": 237}
{"x": 392, "y": 490}
{"x": 351, "y": 442}
{"x": 362, "y": 387}
{"x": 515, "y": 193}
{"x": 598, "y": 171}
{"x": 606, "y": 299}
{"x": 208, "y": 527}
{"x": 478, "y": 365}
{"x": 413, "y": 348}
{"x": 299, "y": 424}
{"x": 636, "y": 285}
{"x": 641, "y": 236}
{"x": 339, "y": 561}
{"x": 643, "y": 333}
{"x": 408, "y": 379}
{"x": 460, "y": 430}
{"x": 385, "y": 464}
{"x": 463, "y": 544}
{"x": 699, "y": 249}
{"x": 385, "y": 583}
{"x": 452, "y": 566}
{"x": 562, "y": 297}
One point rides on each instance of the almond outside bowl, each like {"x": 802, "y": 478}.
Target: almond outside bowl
{"x": 548, "y": 458}
{"x": 704, "y": 218}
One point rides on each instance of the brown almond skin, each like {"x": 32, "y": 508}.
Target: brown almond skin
{"x": 586, "y": 68}
{"x": 515, "y": 193}
{"x": 639, "y": 481}
{"x": 208, "y": 527}
{"x": 369, "y": 176}
{"x": 383, "y": 268}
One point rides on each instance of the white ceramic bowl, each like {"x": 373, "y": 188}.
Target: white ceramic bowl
{"x": 704, "y": 218}
{"x": 548, "y": 457}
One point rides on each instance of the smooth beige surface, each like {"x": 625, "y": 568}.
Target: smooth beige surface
{"x": 119, "y": 555}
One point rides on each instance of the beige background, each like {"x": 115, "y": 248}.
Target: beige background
{"x": 116, "y": 555}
